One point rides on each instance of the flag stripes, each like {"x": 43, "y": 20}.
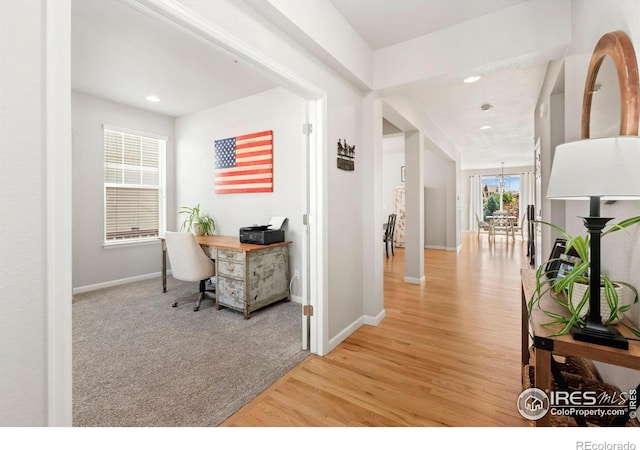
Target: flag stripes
{"x": 244, "y": 163}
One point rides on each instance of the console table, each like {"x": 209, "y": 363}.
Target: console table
{"x": 248, "y": 276}
{"x": 544, "y": 344}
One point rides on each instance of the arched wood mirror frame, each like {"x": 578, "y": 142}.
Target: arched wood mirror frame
{"x": 619, "y": 48}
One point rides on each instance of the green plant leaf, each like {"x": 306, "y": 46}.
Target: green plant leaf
{"x": 635, "y": 331}
{"x": 621, "y": 225}
{"x": 556, "y": 288}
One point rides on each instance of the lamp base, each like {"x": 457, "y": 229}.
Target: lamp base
{"x": 607, "y": 336}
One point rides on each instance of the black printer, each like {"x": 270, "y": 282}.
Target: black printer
{"x": 260, "y": 234}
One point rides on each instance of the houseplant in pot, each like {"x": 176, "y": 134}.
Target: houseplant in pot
{"x": 567, "y": 283}
{"x": 201, "y": 223}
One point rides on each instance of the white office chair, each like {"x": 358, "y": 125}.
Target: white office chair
{"x": 188, "y": 261}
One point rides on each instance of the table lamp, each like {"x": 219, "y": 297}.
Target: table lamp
{"x": 596, "y": 170}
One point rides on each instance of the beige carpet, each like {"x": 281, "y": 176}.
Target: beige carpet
{"x": 138, "y": 362}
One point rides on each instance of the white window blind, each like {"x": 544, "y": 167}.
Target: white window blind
{"x": 134, "y": 186}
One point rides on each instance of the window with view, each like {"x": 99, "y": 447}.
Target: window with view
{"x": 491, "y": 187}
{"x": 134, "y": 185}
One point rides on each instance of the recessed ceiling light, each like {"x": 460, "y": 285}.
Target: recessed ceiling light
{"x": 153, "y": 98}
{"x": 485, "y": 127}
{"x": 472, "y": 79}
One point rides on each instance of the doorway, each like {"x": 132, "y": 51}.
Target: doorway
{"x": 58, "y": 79}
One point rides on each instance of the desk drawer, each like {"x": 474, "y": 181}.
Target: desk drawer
{"x": 230, "y": 292}
{"x": 231, "y": 269}
{"x": 230, "y": 255}
{"x": 211, "y": 252}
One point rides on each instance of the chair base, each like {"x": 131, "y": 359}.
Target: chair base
{"x": 201, "y": 295}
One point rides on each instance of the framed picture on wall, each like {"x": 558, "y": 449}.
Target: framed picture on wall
{"x": 402, "y": 173}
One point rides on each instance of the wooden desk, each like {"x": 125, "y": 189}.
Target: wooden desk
{"x": 545, "y": 345}
{"x": 248, "y": 276}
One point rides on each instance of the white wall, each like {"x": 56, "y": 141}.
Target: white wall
{"x": 392, "y": 161}
{"x": 94, "y": 264}
{"x": 372, "y": 168}
{"x": 619, "y": 255}
{"x": 277, "y": 110}
{"x": 549, "y": 127}
{"x": 620, "y": 251}
{"x": 345, "y": 220}
{"x": 23, "y": 304}
{"x": 436, "y": 198}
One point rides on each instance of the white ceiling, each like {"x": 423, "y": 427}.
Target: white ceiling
{"x": 120, "y": 54}
{"x": 456, "y": 107}
{"x": 386, "y": 22}
{"x": 511, "y": 87}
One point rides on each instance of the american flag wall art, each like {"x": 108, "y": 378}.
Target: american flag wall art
{"x": 244, "y": 163}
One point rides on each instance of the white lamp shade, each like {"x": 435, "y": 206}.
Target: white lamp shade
{"x": 608, "y": 168}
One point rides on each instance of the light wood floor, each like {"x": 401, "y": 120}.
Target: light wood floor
{"x": 446, "y": 354}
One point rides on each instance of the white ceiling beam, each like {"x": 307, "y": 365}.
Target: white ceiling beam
{"x": 321, "y": 29}
{"x": 529, "y": 28}
{"x": 403, "y": 112}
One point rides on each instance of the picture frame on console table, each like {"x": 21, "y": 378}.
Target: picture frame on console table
{"x": 551, "y": 268}
{"x": 561, "y": 261}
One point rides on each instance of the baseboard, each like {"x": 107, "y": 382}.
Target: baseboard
{"x": 148, "y": 276}
{"x": 106, "y": 284}
{"x": 413, "y": 280}
{"x": 441, "y": 247}
{"x": 345, "y": 333}
{"x": 296, "y": 299}
{"x": 375, "y": 320}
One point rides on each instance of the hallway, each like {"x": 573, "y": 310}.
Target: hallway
{"x": 446, "y": 354}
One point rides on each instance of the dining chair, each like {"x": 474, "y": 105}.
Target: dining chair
{"x": 189, "y": 262}
{"x": 519, "y": 226}
{"x": 388, "y": 234}
{"x": 483, "y": 226}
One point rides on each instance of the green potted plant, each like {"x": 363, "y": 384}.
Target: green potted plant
{"x": 571, "y": 290}
{"x": 201, "y": 223}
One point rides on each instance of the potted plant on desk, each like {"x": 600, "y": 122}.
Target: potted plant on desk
{"x": 564, "y": 277}
{"x": 201, "y": 223}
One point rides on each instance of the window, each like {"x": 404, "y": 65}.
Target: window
{"x": 134, "y": 185}
{"x": 491, "y": 187}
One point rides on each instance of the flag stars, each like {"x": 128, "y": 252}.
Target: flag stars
{"x": 225, "y": 153}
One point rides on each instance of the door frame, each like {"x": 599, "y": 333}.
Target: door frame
{"x": 59, "y": 198}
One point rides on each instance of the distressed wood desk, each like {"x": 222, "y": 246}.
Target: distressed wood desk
{"x": 248, "y": 276}
{"x": 544, "y": 344}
